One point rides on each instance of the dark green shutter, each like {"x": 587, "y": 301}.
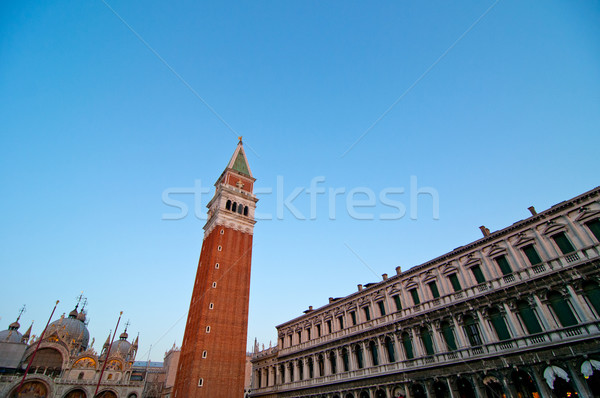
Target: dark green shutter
{"x": 415, "y": 296}
{"x": 499, "y": 325}
{"x": 427, "y": 342}
{"x": 434, "y": 289}
{"x": 353, "y": 315}
{"x": 594, "y": 226}
{"x": 504, "y": 265}
{"x": 562, "y": 310}
{"x": 381, "y": 308}
{"x": 359, "y": 358}
{"x": 563, "y": 243}
{"x": 478, "y": 274}
{"x": 346, "y": 361}
{"x": 398, "y": 302}
{"x": 449, "y": 336}
{"x": 367, "y": 313}
{"x": 592, "y": 292}
{"x": 407, "y": 343}
{"x": 455, "y": 283}
{"x": 374, "y": 353}
{"x": 529, "y": 319}
{"x": 390, "y": 349}
{"x": 532, "y": 255}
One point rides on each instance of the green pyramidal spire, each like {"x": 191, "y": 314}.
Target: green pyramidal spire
{"x": 240, "y": 164}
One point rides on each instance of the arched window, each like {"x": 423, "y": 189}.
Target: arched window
{"x": 472, "y": 330}
{"x": 407, "y": 343}
{"x": 240, "y": 209}
{"x": 499, "y": 324}
{"x": 524, "y": 384}
{"x": 374, "y": 353}
{"x": 562, "y": 309}
{"x": 440, "y": 389}
{"x": 311, "y": 368}
{"x": 282, "y": 374}
{"x": 465, "y": 388}
{"x": 418, "y": 391}
{"x": 448, "y": 334}
{"x": 245, "y": 210}
{"x": 80, "y": 377}
{"x": 77, "y": 393}
{"x": 291, "y": 369}
{"x": 345, "y": 359}
{"x": 359, "y": 356}
{"x": 300, "y": 369}
{"x": 391, "y": 352}
{"x": 228, "y": 205}
{"x": 321, "y": 365}
{"x": 528, "y": 317}
{"x": 591, "y": 290}
{"x": 380, "y": 394}
{"x": 234, "y": 207}
{"x": 427, "y": 341}
{"x": 332, "y": 362}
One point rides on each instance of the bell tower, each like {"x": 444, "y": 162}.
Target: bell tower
{"x": 213, "y": 353}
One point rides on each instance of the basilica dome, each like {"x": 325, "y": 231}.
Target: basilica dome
{"x": 121, "y": 346}
{"x": 71, "y": 329}
{"x": 11, "y": 335}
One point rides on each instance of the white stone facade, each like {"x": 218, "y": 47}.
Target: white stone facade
{"x": 516, "y": 313}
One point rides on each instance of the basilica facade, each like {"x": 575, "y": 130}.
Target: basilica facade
{"x": 65, "y": 364}
{"x": 513, "y": 314}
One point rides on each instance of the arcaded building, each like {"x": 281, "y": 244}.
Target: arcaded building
{"x": 513, "y": 314}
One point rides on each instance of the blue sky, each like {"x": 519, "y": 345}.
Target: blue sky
{"x": 95, "y": 127}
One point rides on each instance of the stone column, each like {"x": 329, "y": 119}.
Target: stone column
{"x": 339, "y": 360}
{"x": 453, "y": 394}
{"x": 541, "y": 383}
{"x": 416, "y": 343}
{"x": 579, "y": 383}
{"x": 507, "y": 383}
{"x": 512, "y": 321}
{"x": 438, "y": 339}
{"x": 478, "y": 385}
{"x": 486, "y": 331}
{"x": 351, "y": 361}
{"x": 461, "y": 337}
{"x": 428, "y": 388}
{"x": 397, "y": 349}
{"x": 381, "y": 352}
{"x": 579, "y": 305}
{"x": 366, "y": 355}
{"x": 547, "y": 319}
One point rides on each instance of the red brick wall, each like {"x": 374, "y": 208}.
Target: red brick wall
{"x": 223, "y": 370}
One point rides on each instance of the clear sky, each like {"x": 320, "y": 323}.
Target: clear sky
{"x": 108, "y": 107}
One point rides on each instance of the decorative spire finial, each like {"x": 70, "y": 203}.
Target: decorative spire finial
{"x": 21, "y": 311}
{"x": 240, "y": 138}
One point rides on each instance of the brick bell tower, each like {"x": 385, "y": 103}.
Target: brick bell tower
{"x": 213, "y": 353}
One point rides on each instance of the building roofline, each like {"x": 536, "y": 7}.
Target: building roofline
{"x": 461, "y": 249}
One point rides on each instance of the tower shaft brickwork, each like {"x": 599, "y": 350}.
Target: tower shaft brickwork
{"x": 213, "y": 353}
